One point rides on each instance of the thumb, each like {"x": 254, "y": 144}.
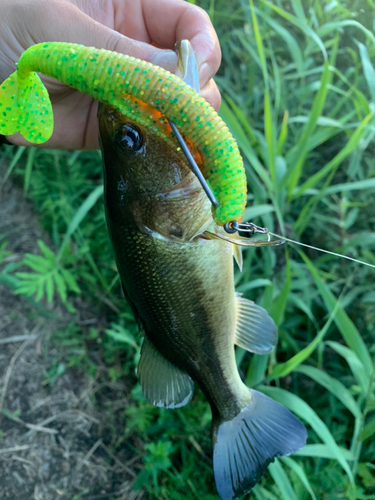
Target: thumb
{"x": 72, "y": 25}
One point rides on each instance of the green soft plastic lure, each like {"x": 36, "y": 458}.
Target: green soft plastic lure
{"x": 116, "y": 79}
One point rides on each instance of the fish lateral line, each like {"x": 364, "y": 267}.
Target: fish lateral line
{"x": 106, "y": 76}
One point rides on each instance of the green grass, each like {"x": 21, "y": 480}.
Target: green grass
{"x": 299, "y": 96}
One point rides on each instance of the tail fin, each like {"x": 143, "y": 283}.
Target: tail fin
{"x": 25, "y": 107}
{"x": 246, "y": 445}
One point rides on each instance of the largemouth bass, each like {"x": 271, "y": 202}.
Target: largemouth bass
{"x": 176, "y": 268}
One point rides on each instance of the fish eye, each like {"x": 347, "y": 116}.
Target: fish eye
{"x": 130, "y": 137}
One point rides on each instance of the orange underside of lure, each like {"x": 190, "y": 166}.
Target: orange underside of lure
{"x": 158, "y": 121}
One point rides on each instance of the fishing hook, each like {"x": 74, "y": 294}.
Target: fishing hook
{"x": 193, "y": 164}
{"x": 246, "y": 227}
{"x": 232, "y": 226}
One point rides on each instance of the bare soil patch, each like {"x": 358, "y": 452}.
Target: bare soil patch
{"x": 55, "y": 439}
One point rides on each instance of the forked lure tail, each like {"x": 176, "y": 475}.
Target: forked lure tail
{"x": 111, "y": 78}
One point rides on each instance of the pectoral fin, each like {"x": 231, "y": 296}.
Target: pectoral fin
{"x": 237, "y": 253}
{"x": 163, "y": 384}
{"x": 255, "y": 329}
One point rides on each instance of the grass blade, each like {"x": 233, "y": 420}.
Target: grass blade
{"x": 28, "y": 169}
{"x": 269, "y": 134}
{"x": 334, "y": 386}
{"x": 322, "y": 451}
{"x": 298, "y": 470}
{"x": 300, "y": 25}
{"x": 259, "y": 44}
{"x": 279, "y": 304}
{"x": 258, "y": 283}
{"x": 268, "y": 121}
{"x": 282, "y": 481}
{"x": 337, "y": 160}
{"x": 81, "y": 214}
{"x": 331, "y": 27}
{"x": 355, "y": 364}
{"x": 347, "y": 328}
{"x": 256, "y": 211}
{"x": 283, "y": 369}
{"x": 344, "y": 187}
{"x": 368, "y": 69}
{"x": 243, "y": 143}
{"x": 298, "y": 10}
{"x": 291, "y": 42}
{"x": 299, "y": 155}
{"x": 368, "y": 430}
{"x": 257, "y": 369}
{"x": 303, "y": 410}
{"x": 263, "y": 494}
{"x": 13, "y": 163}
{"x": 283, "y": 133}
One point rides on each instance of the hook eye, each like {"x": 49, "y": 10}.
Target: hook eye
{"x": 231, "y": 227}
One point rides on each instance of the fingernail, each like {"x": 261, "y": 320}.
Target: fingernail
{"x": 167, "y": 59}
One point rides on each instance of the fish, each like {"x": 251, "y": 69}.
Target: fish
{"x": 176, "y": 269}
{"x": 127, "y": 84}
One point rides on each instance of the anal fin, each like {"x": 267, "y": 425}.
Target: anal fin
{"x": 163, "y": 384}
{"x": 255, "y": 329}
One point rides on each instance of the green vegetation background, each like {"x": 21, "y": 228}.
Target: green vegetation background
{"x": 298, "y": 86}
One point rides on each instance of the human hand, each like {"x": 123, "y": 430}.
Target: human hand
{"x": 126, "y": 26}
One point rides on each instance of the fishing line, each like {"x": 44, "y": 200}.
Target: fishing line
{"x": 193, "y": 164}
{"x": 322, "y": 250}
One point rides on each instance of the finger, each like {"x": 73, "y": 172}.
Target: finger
{"x": 211, "y": 93}
{"x": 184, "y": 21}
{"x": 62, "y": 20}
